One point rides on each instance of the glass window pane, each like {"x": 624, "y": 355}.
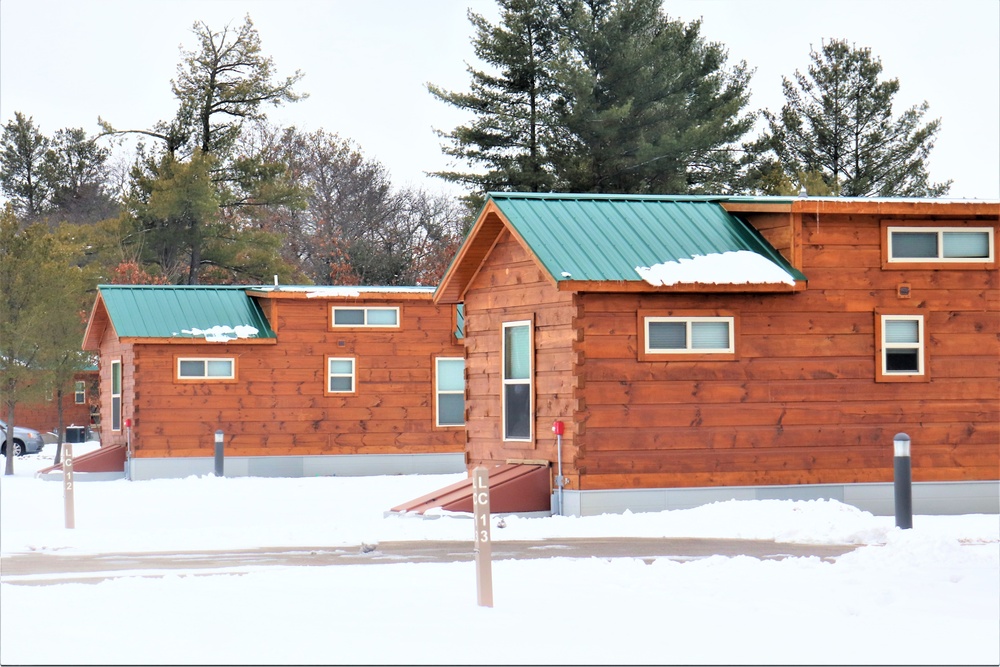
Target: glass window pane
{"x": 349, "y": 317}
{"x": 902, "y": 361}
{"x": 517, "y": 418}
{"x": 451, "y": 375}
{"x": 914, "y": 244}
{"x": 667, "y": 336}
{"x": 451, "y": 409}
{"x": 516, "y": 363}
{"x": 116, "y": 413}
{"x": 383, "y": 317}
{"x": 116, "y": 378}
{"x": 192, "y": 368}
{"x": 710, "y": 335}
{"x": 220, "y": 368}
{"x": 967, "y": 245}
{"x": 341, "y": 366}
{"x": 342, "y": 383}
{"x": 902, "y": 331}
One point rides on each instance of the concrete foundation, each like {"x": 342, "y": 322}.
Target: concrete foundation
{"x": 928, "y": 497}
{"x": 347, "y": 465}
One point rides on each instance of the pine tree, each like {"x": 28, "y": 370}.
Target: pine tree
{"x": 77, "y": 170}
{"x": 837, "y": 121}
{"x": 221, "y": 88}
{"x": 511, "y": 102}
{"x": 174, "y": 213}
{"x": 67, "y": 301}
{"x": 613, "y": 96}
{"x": 57, "y": 179}
{"x": 35, "y": 305}
{"x": 647, "y": 100}
{"x": 22, "y": 167}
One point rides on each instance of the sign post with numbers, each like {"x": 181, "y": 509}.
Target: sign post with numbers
{"x": 484, "y": 556}
{"x": 68, "y": 484}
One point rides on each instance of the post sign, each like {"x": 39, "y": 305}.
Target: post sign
{"x": 68, "y": 484}
{"x": 483, "y": 547}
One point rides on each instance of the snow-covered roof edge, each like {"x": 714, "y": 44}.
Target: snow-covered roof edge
{"x": 319, "y": 291}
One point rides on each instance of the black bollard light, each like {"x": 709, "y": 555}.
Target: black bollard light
{"x": 219, "y": 451}
{"x": 902, "y": 483}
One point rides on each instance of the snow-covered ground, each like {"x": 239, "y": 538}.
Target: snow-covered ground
{"x": 929, "y": 595}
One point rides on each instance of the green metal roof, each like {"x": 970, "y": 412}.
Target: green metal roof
{"x": 605, "y": 237}
{"x": 212, "y": 312}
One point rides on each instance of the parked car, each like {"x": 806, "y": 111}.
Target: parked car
{"x": 26, "y": 440}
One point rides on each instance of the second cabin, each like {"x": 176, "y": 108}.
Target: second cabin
{"x": 301, "y": 381}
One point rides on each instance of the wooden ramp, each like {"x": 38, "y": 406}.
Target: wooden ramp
{"x": 514, "y": 487}
{"x": 105, "y": 459}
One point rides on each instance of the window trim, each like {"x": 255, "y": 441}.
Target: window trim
{"x": 881, "y": 347}
{"x": 116, "y": 378}
{"x": 204, "y": 378}
{"x": 79, "y": 392}
{"x": 365, "y": 310}
{"x": 327, "y": 375}
{"x": 529, "y": 381}
{"x": 889, "y": 227}
{"x": 645, "y": 353}
{"x": 438, "y": 392}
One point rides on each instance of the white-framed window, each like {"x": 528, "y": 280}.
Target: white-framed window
{"x": 901, "y": 346}
{"x": 940, "y": 244}
{"x": 79, "y": 392}
{"x": 206, "y": 368}
{"x": 449, "y": 391}
{"x": 518, "y": 394}
{"x": 364, "y": 317}
{"x": 116, "y": 395}
{"x": 340, "y": 375}
{"x": 689, "y": 335}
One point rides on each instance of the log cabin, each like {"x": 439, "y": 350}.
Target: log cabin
{"x": 79, "y": 407}
{"x": 700, "y": 349}
{"x": 300, "y": 381}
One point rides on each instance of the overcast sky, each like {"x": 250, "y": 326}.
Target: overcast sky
{"x": 367, "y": 63}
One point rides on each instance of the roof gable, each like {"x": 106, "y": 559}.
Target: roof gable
{"x": 201, "y": 312}
{"x": 641, "y": 241}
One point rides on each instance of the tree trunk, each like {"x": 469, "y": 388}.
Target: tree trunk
{"x": 59, "y": 427}
{"x": 9, "y": 447}
{"x": 195, "y": 255}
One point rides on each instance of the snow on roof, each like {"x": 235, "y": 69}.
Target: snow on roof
{"x": 314, "y": 291}
{"x": 729, "y": 268}
{"x": 223, "y": 333}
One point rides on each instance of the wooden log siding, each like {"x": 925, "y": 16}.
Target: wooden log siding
{"x": 510, "y": 287}
{"x": 277, "y": 405}
{"x": 800, "y": 403}
{"x": 112, "y": 350}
